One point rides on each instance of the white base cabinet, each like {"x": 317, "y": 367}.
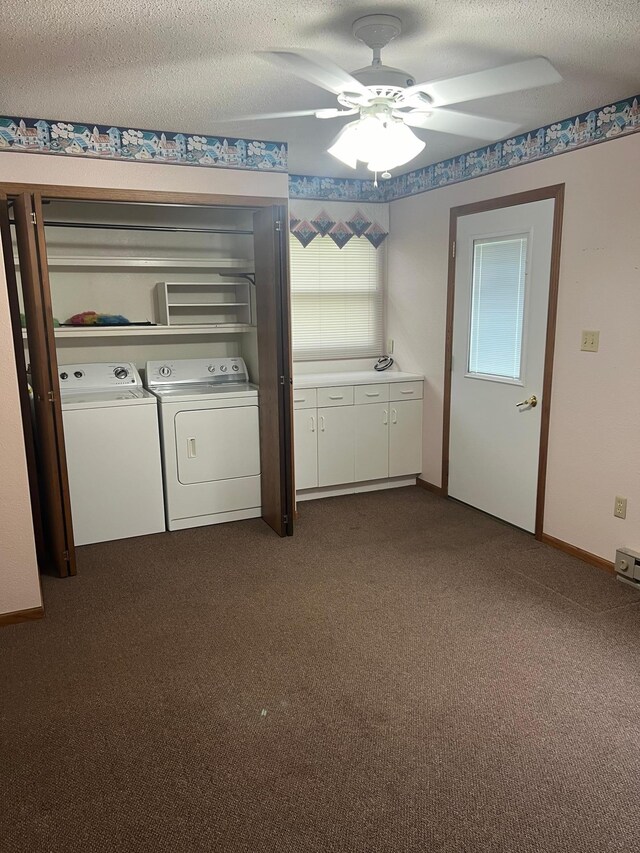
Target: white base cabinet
{"x": 405, "y": 424}
{"x": 357, "y": 434}
{"x": 305, "y": 423}
{"x": 336, "y": 439}
{"x": 372, "y": 442}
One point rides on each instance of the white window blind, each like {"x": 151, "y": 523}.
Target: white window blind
{"x": 497, "y": 306}
{"x": 337, "y": 299}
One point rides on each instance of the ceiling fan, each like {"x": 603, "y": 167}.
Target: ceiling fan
{"x": 388, "y": 101}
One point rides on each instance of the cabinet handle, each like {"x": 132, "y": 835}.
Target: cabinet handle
{"x": 299, "y": 399}
{"x": 336, "y": 397}
{"x": 410, "y": 391}
{"x": 313, "y": 424}
{"x": 322, "y": 423}
{"x": 191, "y": 448}
{"x": 372, "y": 393}
{"x": 394, "y": 416}
{"x": 385, "y": 419}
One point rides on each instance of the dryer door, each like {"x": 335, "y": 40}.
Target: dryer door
{"x": 217, "y": 444}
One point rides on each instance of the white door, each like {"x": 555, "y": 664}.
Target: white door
{"x": 336, "y": 445}
{"x": 217, "y": 444}
{"x": 405, "y": 438}
{"x": 503, "y": 263}
{"x": 305, "y": 444}
{"x": 372, "y": 442}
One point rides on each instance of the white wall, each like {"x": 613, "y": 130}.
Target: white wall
{"x": 594, "y": 450}
{"x": 19, "y": 586}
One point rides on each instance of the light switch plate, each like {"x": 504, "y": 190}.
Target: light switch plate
{"x": 590, "y": 341}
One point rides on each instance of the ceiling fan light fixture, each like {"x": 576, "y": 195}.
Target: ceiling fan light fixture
{"x": 397, "y": 146}
{"x": 382, "y": 144}
{"x": 345, "y": 145}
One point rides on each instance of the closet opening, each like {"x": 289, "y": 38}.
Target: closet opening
{"x": 155, "y": 359}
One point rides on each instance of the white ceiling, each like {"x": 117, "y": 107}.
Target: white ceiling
{"x": 189, "y": 65}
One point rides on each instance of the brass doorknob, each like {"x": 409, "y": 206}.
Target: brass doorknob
{"x": 531, "y": 401}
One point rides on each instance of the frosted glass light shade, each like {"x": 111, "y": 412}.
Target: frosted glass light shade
{"x": 383, "y": 145}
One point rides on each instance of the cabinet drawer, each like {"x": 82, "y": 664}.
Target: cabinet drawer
{"x": 304, "y": 398}
{"x": 406, "y": 391}
{"x": 339, "y": 396}
{"x": 371, "y": 394}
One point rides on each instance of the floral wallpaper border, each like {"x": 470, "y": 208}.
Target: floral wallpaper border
{"x": 42, "y": 136}
{"x": 589, "y": 128}
{"x": 317, "y": 188}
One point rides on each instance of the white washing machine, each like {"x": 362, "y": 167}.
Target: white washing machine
{"x": 210, "y": 437}
{"x": 112, "y": 443}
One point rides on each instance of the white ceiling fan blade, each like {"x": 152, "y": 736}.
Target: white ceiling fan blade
{"x": 317, "y": 69}
{"x": 319, "y": 113}
{"x": 461, "y": 124}
{"x": 484, "y": 84}
{"x": 260, "y": 116}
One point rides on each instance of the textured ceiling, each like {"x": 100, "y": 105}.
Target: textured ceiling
{"x": 189, "y": 64}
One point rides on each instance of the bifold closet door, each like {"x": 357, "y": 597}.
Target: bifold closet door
{"x": 21, "y": 370}
{"x": 52, "y": 462}
{"x": 274, "y": 355}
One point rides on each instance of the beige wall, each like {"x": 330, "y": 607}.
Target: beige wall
{"x": 19, "y": 587}
{"x": 594, "y": 451}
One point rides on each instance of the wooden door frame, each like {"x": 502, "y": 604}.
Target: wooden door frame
{"x": 62, "y": 192}
{"x": 59, "y": 192}
{"x": 555, "y": 192}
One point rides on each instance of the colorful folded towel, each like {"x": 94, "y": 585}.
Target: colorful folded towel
{"x": 93, "y": 318}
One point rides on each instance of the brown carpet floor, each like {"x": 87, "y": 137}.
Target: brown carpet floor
{"x": 405, "y": 674}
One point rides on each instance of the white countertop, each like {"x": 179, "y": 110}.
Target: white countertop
{"x": 359, "y": 377}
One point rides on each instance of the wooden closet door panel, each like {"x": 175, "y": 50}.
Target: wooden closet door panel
{"x": 21, "y": 370}
{"x": 274, "y": 355}
{"x": 52, "y": 464}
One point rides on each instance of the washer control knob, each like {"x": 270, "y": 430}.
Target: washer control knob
{"x": 120, "y": 372}
{"x": 78, "y": 374}
{"x": 234, "y": 367}
{"x": 64, "y": 376}
{"x": 211, "y": 368}
{"x": 165, "y": 371}
{"x": 223, "y": 368}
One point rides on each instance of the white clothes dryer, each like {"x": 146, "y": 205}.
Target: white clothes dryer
{"x": 210, "y": 433}
{"x": 112, "y": 445}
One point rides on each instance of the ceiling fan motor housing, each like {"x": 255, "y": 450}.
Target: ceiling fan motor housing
{"x": 383, "y": 76}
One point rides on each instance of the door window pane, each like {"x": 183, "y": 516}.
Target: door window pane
{"x": 497, "y": 306}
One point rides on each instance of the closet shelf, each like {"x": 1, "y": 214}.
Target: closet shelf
{"x": 87, "y": 262}
{"x": 149, "y": 331}
{"x": 207, "y": 304}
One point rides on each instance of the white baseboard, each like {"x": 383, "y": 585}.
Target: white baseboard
{"x": 354, "y": 488}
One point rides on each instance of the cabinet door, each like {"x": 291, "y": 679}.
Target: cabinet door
{"x": 405, "y": 438}
{"x": 305, "y": 441}
{"x": 372, "y": 442}
{"x": 336, "y": 445}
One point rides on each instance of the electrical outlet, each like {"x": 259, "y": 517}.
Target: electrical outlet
{"x": 590, "y": 341}
{"x": 620, "y": 507}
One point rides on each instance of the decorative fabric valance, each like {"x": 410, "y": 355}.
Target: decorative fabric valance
{"x": 339, "y": 220}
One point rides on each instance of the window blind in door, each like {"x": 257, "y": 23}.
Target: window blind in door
{"x": 497, "y": 306}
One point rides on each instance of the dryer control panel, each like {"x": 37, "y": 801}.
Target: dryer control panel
{"x": 195, "y": 371}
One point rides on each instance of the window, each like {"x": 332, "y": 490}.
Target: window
{"x": 337, "y": 299}
{"x": 497, "y": 307}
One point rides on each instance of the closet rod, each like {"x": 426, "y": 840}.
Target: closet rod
{"x": 168, "y": 228}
